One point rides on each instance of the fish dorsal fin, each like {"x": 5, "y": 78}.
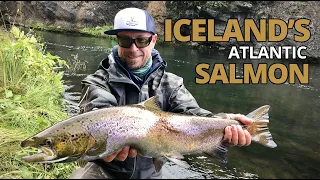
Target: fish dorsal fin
{"x": 151, "y": 103}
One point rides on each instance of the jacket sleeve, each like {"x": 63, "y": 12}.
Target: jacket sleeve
{"x": 182, "y": 101}
{"x": 96, "y": 92}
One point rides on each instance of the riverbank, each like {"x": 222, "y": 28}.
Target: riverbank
{"x": 30, "y": 101}
{"x": 75, "y": 15}
{"x": 98, "y": 32}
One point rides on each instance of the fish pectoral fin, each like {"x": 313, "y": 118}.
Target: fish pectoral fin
{"x": 220, "y": 153}
{"x": 176, "y": 158}
{"x": 82, "y": 163}
{"x": 158, "y": 162}
{"x": 174, "y": 155}
{"x": 179, "y": 162}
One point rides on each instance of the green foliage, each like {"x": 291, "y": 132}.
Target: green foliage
{"x": 96, "y": 31}
{"x": 30, "y": 100}
{"x": 22, "y": 57}
{"x": 45, "y": 27}
{"x": 30, "y": 87}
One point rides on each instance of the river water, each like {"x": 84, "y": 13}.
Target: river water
{"x": 294, "y": 113}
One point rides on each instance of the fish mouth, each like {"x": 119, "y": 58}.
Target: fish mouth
{"x": 44, "y": 155}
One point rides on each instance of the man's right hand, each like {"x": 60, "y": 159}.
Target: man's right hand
{"x": 122, "y": 154}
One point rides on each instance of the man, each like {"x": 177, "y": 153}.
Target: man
{"x": 133, "y": 72}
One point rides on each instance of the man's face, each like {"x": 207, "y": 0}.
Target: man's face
{"x": 134, "y": 57}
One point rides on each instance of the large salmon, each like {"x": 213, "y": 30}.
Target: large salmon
{"x": 144, "y": 126}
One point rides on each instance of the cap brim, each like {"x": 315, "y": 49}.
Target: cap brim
{"x": 116, "y": 31}
{"x": 112, "y": 32}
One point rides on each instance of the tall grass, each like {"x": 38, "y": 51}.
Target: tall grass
{"x": 97, "y": 31}
{"x": 12, "y": 69}
{"x": 30, "y": 101}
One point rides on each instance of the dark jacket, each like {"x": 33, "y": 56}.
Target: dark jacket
{"x": 113, "y": 85}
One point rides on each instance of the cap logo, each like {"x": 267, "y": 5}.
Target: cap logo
{"x": 132, "y": 22}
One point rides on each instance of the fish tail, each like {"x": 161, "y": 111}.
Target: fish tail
{"x": 259, "y": 128}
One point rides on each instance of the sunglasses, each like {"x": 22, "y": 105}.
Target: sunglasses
{"x": 140, "y": 42}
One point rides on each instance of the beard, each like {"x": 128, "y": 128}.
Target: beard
{"x": 132, "y": 64}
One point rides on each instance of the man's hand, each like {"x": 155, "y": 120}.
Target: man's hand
{"x": 234, "y": 134}
{"x": 122, "y": 154}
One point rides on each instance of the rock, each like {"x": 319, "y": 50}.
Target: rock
{"x": 81, "y": 14}
{"x": 295, "y": 10}
{"x": 158, "y": 11}
{"x": 67, "y": 14}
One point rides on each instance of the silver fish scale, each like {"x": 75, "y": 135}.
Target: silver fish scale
{"x": 195, "y": 125}
{"x": 118, "y": 126}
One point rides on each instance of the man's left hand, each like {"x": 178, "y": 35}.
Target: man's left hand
{"x": 235, "y": 134}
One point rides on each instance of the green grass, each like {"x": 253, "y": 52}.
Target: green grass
{"x": 30, "y": 101}
{"x": 97, "y": 31}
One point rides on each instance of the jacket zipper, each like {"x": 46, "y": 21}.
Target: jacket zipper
{"x": 135, "y": 158}
{"x": 134, "y": 167}
{"x": 131, "y": 82}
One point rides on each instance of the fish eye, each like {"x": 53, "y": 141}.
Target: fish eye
{"x": 48, "y": 141}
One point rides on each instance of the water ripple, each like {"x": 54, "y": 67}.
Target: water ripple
{"x": 301, "y": 86}
{"x": 82, "y": 48}
{"x": 72, "y": 99}
{"x": 181, "y": 61}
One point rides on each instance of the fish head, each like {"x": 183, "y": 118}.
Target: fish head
{"x": 59, "y": 144}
